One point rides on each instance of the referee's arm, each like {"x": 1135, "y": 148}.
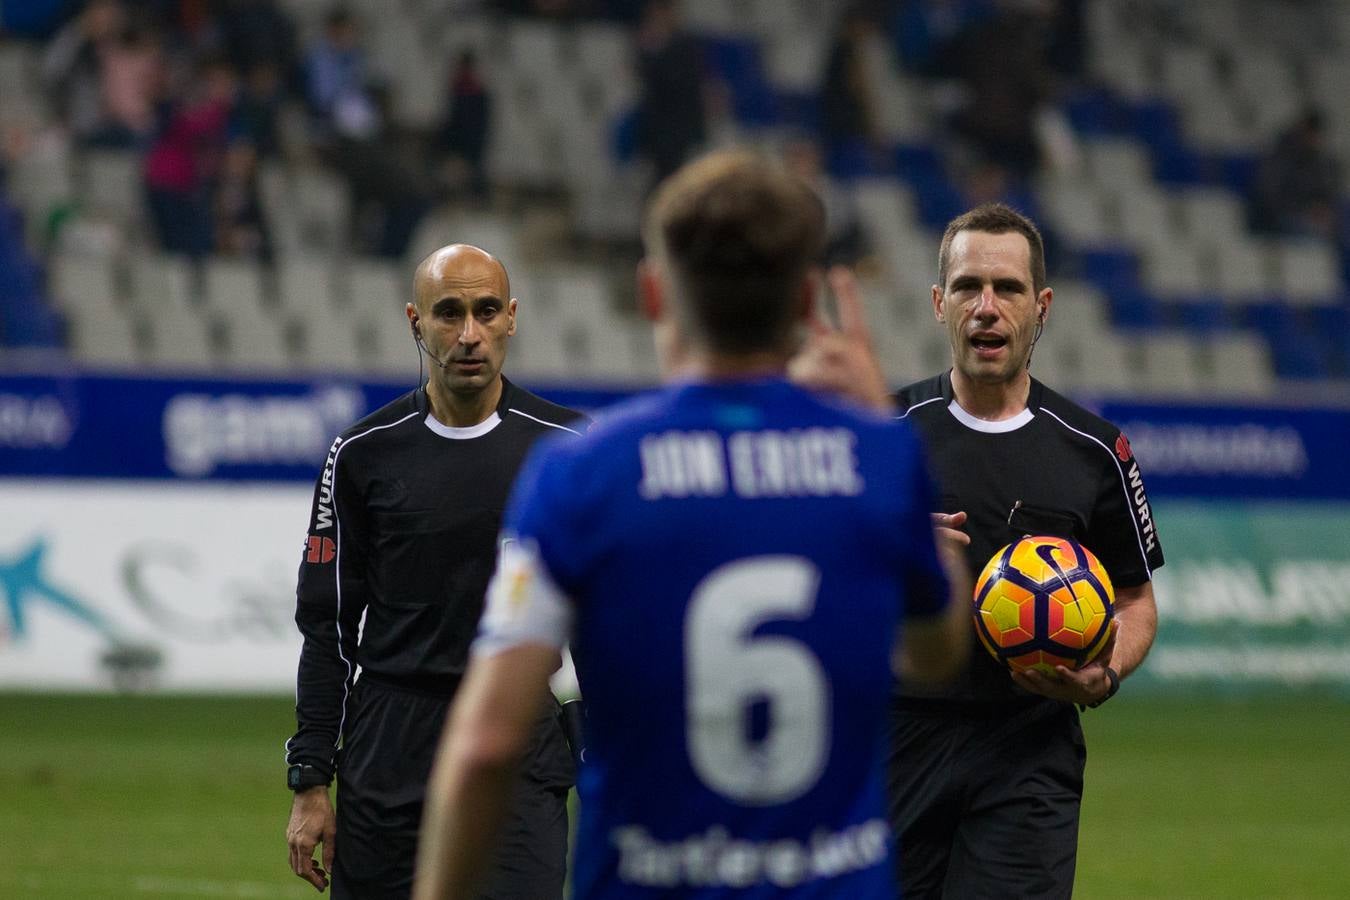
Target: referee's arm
{"x": 330, "y": 599}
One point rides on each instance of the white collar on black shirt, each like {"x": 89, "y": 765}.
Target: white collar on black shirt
{"x": 468, "y": 431}
{"x": 1002, "y": 426}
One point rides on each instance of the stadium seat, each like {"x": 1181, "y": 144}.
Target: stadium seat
{"x": 159, "y": 280}
{"x": 254, "y": 340}
{"x": 233, "y": 284}
{"x": 111, "y": 186}
{"x": 79, "y": 283}
{"x": 1307, "y": 272}
{"x": 1236, "y": 366}
{"x": 328, "y": 341}
{"x": 103, "y": 336}
{"x": 1174, "y": 268}
{"x": 180, "y": 339}
{"x": 1170, "y": 365}
{"x": 1076, "y": 212}
{"x": 1242, "y": 269}
{"x": 305, "y": 284}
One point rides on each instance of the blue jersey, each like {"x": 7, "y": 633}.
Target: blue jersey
{"x": 731, "y": 563}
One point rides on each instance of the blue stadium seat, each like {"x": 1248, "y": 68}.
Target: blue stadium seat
{"x": 1110, "y": 268}
{"x": 1298, "y": 347}
{"x": 1205, "y": 314}
{"x": 1134, "y": 308}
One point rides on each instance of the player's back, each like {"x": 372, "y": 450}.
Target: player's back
{"x": 740, "y": 557}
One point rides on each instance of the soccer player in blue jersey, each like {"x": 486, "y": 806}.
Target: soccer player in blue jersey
{"x": 736, "y": 563}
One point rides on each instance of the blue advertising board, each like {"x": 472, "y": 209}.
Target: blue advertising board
{"x": 100, "y": 426}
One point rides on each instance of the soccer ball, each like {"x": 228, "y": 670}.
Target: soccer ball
{"x": 1043, "y": 602}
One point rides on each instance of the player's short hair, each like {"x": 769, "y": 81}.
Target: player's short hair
{"x": 737, "y": 233}
{"x": 995, "y": 218}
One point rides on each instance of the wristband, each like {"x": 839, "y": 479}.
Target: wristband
{"x": 1114, "y": 678}
{"x": 299, "y": 778}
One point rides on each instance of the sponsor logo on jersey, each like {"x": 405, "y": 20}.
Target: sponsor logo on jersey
{"x": 319, "y": 549}
{"x": 1141, "y": 509}
{"x": 1123, "y": 447}
{"x": 716, "y": 859}
{"x": 323, "y": 509}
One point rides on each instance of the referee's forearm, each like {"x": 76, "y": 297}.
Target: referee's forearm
{"x": 1136, "y": 626}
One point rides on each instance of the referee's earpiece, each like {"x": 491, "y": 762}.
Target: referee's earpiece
{"x": 417, "y": 332}
{"x": 1040, "y": 314}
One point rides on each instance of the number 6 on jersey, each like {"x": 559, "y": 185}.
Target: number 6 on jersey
{"x": 728, "y": 669}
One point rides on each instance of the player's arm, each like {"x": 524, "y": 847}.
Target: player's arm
{"x": 494, "y": 713}
{"x": 526, "y": 621}
{"x": 330, "y": 598}
{"x": 935, "y": 641}
{"x": 934, "y": 648}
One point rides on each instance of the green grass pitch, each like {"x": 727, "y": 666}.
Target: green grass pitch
{"x": 183, "y": 797}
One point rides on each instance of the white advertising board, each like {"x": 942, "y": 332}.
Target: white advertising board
{"x": 149, "y": 585}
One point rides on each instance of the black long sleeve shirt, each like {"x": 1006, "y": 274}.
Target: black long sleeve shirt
{"x": 402, "y": 543}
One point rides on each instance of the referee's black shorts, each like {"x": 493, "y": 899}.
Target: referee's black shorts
{"x": 985, "y": 802}
{"x": 383, "y": 766}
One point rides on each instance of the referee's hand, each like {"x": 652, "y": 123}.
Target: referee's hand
{"x": 312, "y": 823}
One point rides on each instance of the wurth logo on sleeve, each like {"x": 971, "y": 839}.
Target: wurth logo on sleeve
{"x": 319, "y": 549}
{"x": 1141, "y": 509}
{"x": 323, "y": 510}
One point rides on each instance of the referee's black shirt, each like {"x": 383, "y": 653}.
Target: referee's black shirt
{"x": 403, "y": 531}
{"x": 1056, "y": 469}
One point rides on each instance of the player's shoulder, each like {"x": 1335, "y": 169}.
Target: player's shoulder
{"x": 1072, "y": 419}
{"x": 543, "y": 414}
{"x": 401, "y": 410}
{"x": 922, "y": 397}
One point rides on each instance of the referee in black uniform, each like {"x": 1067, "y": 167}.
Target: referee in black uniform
{"x": 403, "y": 536}
{"x": 986, "y": 772}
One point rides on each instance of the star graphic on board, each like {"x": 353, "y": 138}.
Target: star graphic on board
{"x": 23, "y": 585}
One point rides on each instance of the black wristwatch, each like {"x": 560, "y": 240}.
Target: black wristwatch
{"x": 299, "y": 778}
{"x": 1114, "y": 677}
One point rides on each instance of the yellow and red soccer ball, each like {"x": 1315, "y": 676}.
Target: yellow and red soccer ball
{"x": 1043, "y": 602}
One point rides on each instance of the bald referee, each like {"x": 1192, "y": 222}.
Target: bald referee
{"x": 401, "y": 545}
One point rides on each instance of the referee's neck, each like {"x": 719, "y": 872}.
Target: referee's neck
{"x": 991, "y": 401}
{"x": 463, "y": 409}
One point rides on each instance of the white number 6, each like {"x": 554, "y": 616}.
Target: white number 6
{"x": 728, "y": 668}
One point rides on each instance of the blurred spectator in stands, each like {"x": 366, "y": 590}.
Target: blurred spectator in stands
{"x": 1001, "y": 59}
{"x": 848, "y": 119}
{"x": 72, "y": 65}
{"x": 844, "y": 243}
{"x": 258, "y": 109}
{"x": 184, "y": 160}
{"x": 925, "y": 32}
{"x": 464, "y": 131}
{"x": 240, "y": 228}
{"x": 1298, "y": 186}
{"x": 256, "y": 32}
{"x": 336, "y": 83}
{"x": 131, "y": 76}
{"x": 672, "y": 120}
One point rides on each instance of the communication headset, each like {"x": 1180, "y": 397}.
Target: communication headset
{"x": 421, "y": 345}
